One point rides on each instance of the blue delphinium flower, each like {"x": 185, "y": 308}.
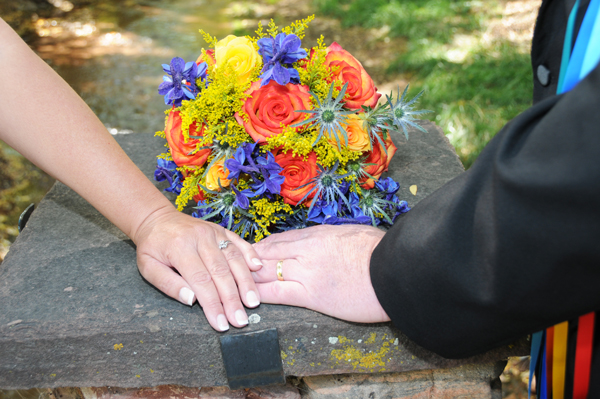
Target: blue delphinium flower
{"x": 263, "y": 169}
{"x": 323, "y": 210}
{"x": 167, "y": 170}
{"x": 388, "y": 186}
{"x": 202, "y": 210}
{"x": 269, "y": 170}
{"x": 177, "y": 183}
{"x": 278, "y": 52}
{"x": 241, "y": 197}
{"x": 181, "y": 83}
{"x": 242, "y": 161}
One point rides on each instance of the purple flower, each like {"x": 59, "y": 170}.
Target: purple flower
{"x": 181, "y": 83}
{"x": 269, "y": 169}
{"x": 388, "y": 186}
{"x": 202, "y": 210}
{"x": 241, "y": 197}
{"x": 322, "y": 211}
{"x": 241, "y": 158}
{"x": 401, "y": 207}
{"x": 277, "y": 53}
{"x": 167, "y": 170}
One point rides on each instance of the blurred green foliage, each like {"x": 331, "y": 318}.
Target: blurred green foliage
{"x": 21, "y": 183}
{"x": 474, "y": 86}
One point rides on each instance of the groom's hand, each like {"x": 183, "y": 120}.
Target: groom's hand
{"x": 325, "y": 268}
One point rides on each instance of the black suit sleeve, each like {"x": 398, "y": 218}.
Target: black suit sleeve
{"x": 509, "y": 247}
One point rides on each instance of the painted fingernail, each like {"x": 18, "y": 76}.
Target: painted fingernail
{"x": 222, "y": 322}
{"x": 252, "y": 299}
{"x": 257, "y": 262}
{"x": 240, "y": 317}
{"x": 186, "y": 296}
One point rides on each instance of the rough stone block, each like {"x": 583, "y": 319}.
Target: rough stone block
{"x": 74, "y": 310}
{"x": 178, "y": 392}
{"x": 468, "y": 381}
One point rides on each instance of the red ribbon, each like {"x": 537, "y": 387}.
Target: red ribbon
{"x": 583, "y": 356}
{"x": 549, "y": 355}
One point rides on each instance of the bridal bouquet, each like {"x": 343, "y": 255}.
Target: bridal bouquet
{"x": 266, "y": 136}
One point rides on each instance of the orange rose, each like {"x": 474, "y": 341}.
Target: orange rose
{"x": 380, "y": 160}
{"x": 360, "y": 90}
{"x": 210, "y": 58}
{"x": 180, "y": 148}
{"x": 217, "y": 172}
{"x": 271, "y": 105}
{"x": 297, "y": 172}
{"x": 358, "y": 138}
{"x": 199, "y": 197}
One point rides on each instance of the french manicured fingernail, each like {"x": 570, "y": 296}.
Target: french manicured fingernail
{"x": 252, "y": 299}
{"x": 257, "y": 262}
{"x": 222, "y": 322}
{"x": 240, "y": 317}
{"x": 186, "y": 296}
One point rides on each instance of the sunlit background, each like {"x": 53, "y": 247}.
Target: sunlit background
{"x": 471, "y": 57}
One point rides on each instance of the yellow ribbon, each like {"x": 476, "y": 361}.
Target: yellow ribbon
{"x": 559, "y": 359}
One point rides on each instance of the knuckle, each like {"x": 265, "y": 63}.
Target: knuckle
{"x": 219, "y": 269}
{"x": 211, "y": 304}
{"x": 230, "y": 297}
{"x": 276, "y": 290}
{"x": 245, "y": 280}
{"x": 200, "y": 278}
{"x": 232, "y": 254}
{"x": 167, "y": 285}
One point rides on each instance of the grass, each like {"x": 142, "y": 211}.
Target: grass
{"x": 473, "y": 85}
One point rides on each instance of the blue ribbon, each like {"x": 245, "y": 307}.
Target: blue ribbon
{"x": 537, "y": 339}
{"x": 566, "y": 54}
{"x": 576, "y": 70}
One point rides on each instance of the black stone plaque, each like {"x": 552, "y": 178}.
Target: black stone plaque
{"x": 252, "y": 359}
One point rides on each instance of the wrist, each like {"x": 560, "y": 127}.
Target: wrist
{"x": 155, "y": 213}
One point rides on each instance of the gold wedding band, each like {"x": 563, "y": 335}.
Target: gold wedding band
{"x": 280, "y": 270}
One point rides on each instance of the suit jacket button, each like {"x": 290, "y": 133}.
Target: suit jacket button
{"x": 543, "y": 75}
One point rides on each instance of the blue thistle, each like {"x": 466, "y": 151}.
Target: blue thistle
{"x": 379, "y": 202}
{"x": 402, "y": 112}
{"x": 327, "y": 186}
{"x": 226, "y": 203}
{"x": 377, "y": 121}
{"x": 329, "y": 116}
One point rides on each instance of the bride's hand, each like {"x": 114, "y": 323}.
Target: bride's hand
{"x": 325, "y": 268}
{"x": 169, "y": 240}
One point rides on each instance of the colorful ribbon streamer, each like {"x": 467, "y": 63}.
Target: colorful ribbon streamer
{"x": 549, "y": 348}
{"x": 583, "y": 356}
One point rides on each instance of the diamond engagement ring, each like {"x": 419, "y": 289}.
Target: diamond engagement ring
{"x": 280, "y": 270}
{"x": 223, "y": 244}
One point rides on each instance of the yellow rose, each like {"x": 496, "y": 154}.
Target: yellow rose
{"x": 240, "y": 53}
{"x": 358, "y": 138}
{"x": 217, "y": 173}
